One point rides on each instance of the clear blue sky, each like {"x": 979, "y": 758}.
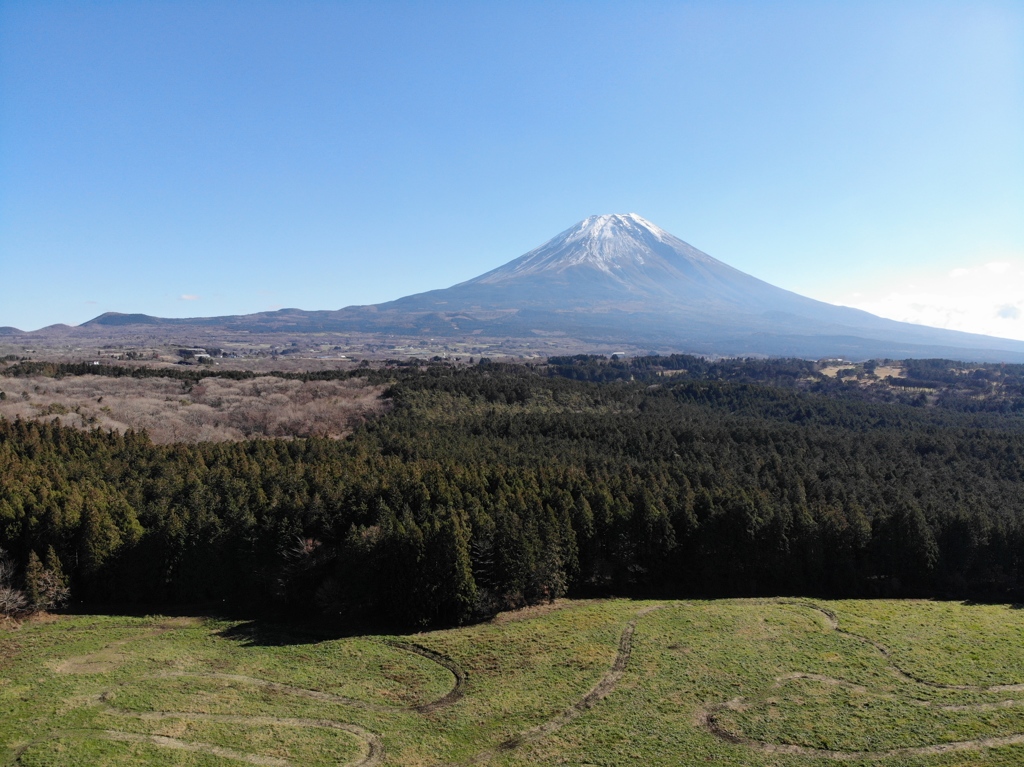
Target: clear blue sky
{"x": 196, "y": 159}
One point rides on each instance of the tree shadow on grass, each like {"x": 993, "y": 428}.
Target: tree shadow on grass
{"x": 987, "y": 603}
{"x": 249, "y": 627}
{"x": 266, "y": 633}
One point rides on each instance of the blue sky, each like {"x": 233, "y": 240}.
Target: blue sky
{"x": 196, "y": 159}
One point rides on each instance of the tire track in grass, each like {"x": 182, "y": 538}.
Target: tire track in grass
{"x": 833, "y": 621}
{"x": 374, "y": 747}
{"x": 707, "y": 719}
{"x": 201, "y": 748}
{"x": 155, "y": 740}
{"x": 832, "y": 681}
{"x": 598, "y": 692}
{"x": 99, "y": 661}
{"x": 710, "y": 723}
{"x": 450, "y": 697}
{"x": 373, "y": 757}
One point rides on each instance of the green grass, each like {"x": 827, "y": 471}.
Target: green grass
{"x": 93, "y": 690}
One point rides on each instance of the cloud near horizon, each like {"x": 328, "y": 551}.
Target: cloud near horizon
{"x": 985, "y": 298}
{"x": 188, "y": 297}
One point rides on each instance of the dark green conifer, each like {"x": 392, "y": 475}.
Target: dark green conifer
{"x": 34, "y": 581}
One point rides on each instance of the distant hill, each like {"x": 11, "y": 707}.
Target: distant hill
{"x": 621, "y": 279}
{"x": 116, "y": 318}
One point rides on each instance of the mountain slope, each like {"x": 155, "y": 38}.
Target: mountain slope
{"x": 619, "y": 279}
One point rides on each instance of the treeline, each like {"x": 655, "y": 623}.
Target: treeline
{"x": 948, "y": 384}
{"x": 495, "y": 486}
{"x": 596, "y": 367}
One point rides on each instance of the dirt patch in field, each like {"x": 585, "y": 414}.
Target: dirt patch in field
{"x": 101, "y": 662}
{"x": 885, "y": 371}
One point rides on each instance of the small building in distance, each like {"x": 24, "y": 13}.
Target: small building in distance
{"x": 194, "y": 354}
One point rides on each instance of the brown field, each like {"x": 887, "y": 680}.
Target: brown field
{"x": 213, "y": 409}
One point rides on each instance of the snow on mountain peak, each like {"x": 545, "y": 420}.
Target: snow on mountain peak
{"x": 613, "y": 225}
{"x": 615, "y": 244}
{"x": 608, "y": 242}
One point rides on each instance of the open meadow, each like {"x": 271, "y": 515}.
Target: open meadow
{"x": 727, "y": 682}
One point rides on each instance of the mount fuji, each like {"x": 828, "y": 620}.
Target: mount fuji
{"x": 619, "y": 279}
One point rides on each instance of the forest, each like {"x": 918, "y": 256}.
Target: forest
{"x": 485, "y": 487}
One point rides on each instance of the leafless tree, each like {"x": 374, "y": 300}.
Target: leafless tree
{"x": 12, "y": 600}
{"x": 214, "y": 409}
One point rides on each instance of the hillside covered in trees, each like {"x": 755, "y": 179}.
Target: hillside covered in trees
{"x": 492, "y": 486}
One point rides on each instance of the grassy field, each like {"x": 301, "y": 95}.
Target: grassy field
{"x": 729, "y": 682}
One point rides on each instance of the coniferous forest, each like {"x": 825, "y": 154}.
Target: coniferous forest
{"x": 493, "y": 486}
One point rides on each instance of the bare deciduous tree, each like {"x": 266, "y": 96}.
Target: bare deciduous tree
{"x": 214, "y": 409}
{"x": 12, "y": 599}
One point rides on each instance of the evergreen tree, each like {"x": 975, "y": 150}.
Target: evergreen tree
{"x": 34, "y": 582}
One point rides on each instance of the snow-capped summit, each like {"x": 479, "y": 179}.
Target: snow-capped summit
{"x": 612, "y": 243}
{"x": 610, "y": 227}
{"x": 625, "y": 258}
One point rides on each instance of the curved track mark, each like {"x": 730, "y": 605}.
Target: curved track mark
{"x": 601, "y": 690}
{"x": 706, "y": 718}
{"x": 450, "y": 697}
{"x": 196, "y": 747}
{"x": 708, "y": 721}
{"x": 456, "y": 670}
{"x": 833, "y": 622}
{"x": 73, "y": 665}
{"x": 301, "y": 692}
{"x": 373, "y": 757}
{"x": 374, "y": 747}
{"x": 832, "y": 681}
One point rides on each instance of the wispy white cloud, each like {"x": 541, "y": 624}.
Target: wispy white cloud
{"x": 188, "y": 297}
{"x": 982, "y": 298}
